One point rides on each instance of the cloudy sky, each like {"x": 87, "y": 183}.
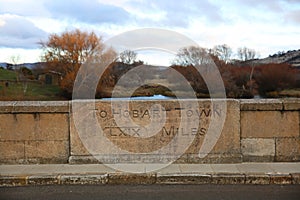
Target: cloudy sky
{"x": 267, "y": 26}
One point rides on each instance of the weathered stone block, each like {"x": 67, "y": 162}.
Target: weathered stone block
{"x": 131, "y": 178}
{"x": 11, "y": 151}
{"x": 13, "y": 180}
{"x": 34, "y": 106}
{"x": 281, "y": 179}
{"x": 258, "y": 150}
{"x": 77, "y": 147}
{"x": 257, "y": 179}
{"x": 291, "y": 104}
{"x": 52, "y": 127}
{"x": 142, "y": 112}
{"x": 269, "y": 124}
{"x": 84, "y": 179}
{"x": 42, "y": 180}
{"x": 295, "y": 178}
{"x": 183, "y": 179}
{"x": 7, "y": 106}
{"x": 228, "y": 179}
{"x": 212, "y": 158}
{"x": 229, "y": 141}
{"x": 287, "y": 149}
{"x": 34, "y": 127}
{"x": 83, "y": 160}
{"x": 47, "y": 151}
{"x": 18, "y": 126}
{"x": 261, "y": 104}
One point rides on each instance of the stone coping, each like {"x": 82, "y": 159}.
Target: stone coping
{"x": 288, "y": 104}
{"x": 34, "y": 106}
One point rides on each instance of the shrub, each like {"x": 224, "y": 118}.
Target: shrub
{"x": 275, "y": 77}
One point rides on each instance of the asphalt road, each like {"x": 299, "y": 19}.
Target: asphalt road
{"x": 144, "y": 192}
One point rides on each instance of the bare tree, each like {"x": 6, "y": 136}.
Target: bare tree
{"x": 21, "y": 74}
{"x": 223, "y": 52}
{"x": 15, "y": 59}
{"x": 245, "y": 53}
{"x": 192, "y": 55}
{"x": 128, "y": 57}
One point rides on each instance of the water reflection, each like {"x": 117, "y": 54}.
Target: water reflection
{"x": 154, "y": 97}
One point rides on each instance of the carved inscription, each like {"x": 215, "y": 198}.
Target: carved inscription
{"x": 171, "y": 128}
{"x": 204, "y": 112}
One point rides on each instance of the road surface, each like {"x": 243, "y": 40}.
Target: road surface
{"x": 145, "y": 192}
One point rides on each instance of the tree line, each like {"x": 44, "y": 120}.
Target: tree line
{"x": 65, "y": 53}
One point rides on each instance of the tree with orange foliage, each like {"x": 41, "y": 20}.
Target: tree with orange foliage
{"x": 65, "y": 53}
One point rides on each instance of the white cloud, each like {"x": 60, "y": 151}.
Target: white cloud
{"x": 268, "y": 26}
{"x": 293, "y": 17}
{"x": 17, "y": 31}
{"x": 23, "y": 8}
{"x": 91, "y": 11}
{"x": 25, "y": 55}
{"x": 160, "y": 58}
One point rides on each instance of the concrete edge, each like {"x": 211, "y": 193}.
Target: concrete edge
{"x": 152, "y": 178}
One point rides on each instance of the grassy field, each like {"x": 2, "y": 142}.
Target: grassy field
{"x": 34, "y": 90}
{"x": 25, "y": 91}
{"x": 7, "y": 75}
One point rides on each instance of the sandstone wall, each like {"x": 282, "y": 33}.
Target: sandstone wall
{"x": 34, "y": 132}
{"x": 253, "y": 131}
{"x": 270, "y": 130}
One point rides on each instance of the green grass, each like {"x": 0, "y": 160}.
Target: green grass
{"x": 7, "y": 75}
{"x": 34, "y": 91}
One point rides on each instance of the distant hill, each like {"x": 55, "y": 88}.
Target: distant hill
{"x": 290, "y": 57}
{"x": 28, "y": 65}
{"x": 3, "y": 64}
